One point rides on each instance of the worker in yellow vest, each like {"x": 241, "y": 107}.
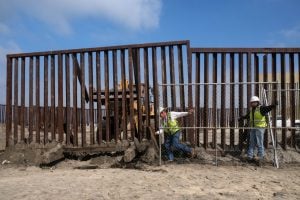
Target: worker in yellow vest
{"x": 258, "y": 124}
{"x": 170, "y": 127}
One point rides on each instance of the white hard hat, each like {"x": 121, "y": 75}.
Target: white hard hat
{"x": 254, "y": 99}
{"x": 162, "y": 109}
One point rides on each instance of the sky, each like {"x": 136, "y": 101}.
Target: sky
{"x": 44, "y": 25}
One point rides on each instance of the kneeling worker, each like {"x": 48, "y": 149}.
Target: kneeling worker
{"x": 170, "y": 127}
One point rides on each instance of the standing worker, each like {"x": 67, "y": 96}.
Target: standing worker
{"x": 258, "y": 124}
{"x": 170, "y": 127}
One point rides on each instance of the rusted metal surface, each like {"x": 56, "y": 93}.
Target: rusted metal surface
{"x": 37, "y": 99}
{"x": 283, "y": 101}
{"x": 241, "y": 100}
{"x": 138, "y": 68}
{"x": 292, "y": 97}
{"x": 223, "y": 94}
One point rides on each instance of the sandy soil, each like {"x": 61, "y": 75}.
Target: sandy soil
{"x": 172, "y": 181}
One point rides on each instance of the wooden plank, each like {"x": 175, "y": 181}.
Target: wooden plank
{"x": 99, "y": 109}
{"x": 172, "y": 77}
{"x": 75, "y": 116}
{"x": 91, "y": 102}
{"x": 283, "y": 101}
{"x": 68, "y": 111}
{"x": 30, "y": 99}
{"x": 37, "y": 99}
{"x": 8, "y": 113}
{"x": 53, "y": 125}
{"x": 83, "y": 97}
{"x": 232, "y": 100}
{"x": 16, "y": 100}
{"x": 116, "y": 102}
{"x": 46, "y": 113}
{"x": 60, "y": 119}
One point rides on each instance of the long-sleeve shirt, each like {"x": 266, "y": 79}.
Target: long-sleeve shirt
{"x": 173, "y": 116}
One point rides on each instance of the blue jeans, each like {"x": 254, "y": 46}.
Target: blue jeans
{"x": 256, "y": 139}
{"x": 173, "y": 141}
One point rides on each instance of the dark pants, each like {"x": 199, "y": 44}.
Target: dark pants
{"x": 173, "y": 141}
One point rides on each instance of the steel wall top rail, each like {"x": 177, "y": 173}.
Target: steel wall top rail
{"x": 84, "y": 50}
{"x": 245, "y": 50}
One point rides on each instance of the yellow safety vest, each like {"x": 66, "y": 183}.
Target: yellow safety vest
{"x": 259, "y": 120}
{"x": 171, "y": 126}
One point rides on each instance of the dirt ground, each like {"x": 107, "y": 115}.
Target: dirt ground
{"x": 170, "y": 181}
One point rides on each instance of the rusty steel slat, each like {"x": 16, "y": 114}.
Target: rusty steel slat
{"x": 265, "y": 79}
{"x": 256, "y": 74}
{"x": 241, "y": 99}
{"x": 181, "y": 74}
{"x": 249, "y": 87}
{"x": 138, "y": 85}
{"x": 197, "y": 99}
{"x": 8, "y": 112}
{"x": 172, "y": 76}
{"x": 60, "y": 119}
{"x": 91, "y": 102}
{"x": 245, "y": 50}
{"x": 30, "y": 99}
{"x": 292, "y": 105}
{"x": 164, "y": 76}
{"x": 124, "y": 99}
{"x": 191, "y": 133}
{"x": 156, "y": 103}
{"x": 181, "y": 92}
{"x": 131, "y": 113}
{"x": 16, "y": 100}
{"x": 109, "y": 48}
{"x": 283, "y": 101}
{"x": 53, "y": 98}
{"x": 37, "y": 99}
{"x": 274, "y": 94}
{"x": 232, "y": 100}
{"x": 205, "y": 114}
{"x": 83, "y": 98}
{"x": 46, "y": 118}
{"x": 214, "y": 106}
{"x": 146, "y": 79}
{"x": 116, "y": 101}
{"x": 223, "y": 94}
{"x": 75, "y": 116}
{"x": 68, "y": 112}
{"x": 107, "y": 116}
{"x": 22, "y": 99}
{"x": 99, "y": 109}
